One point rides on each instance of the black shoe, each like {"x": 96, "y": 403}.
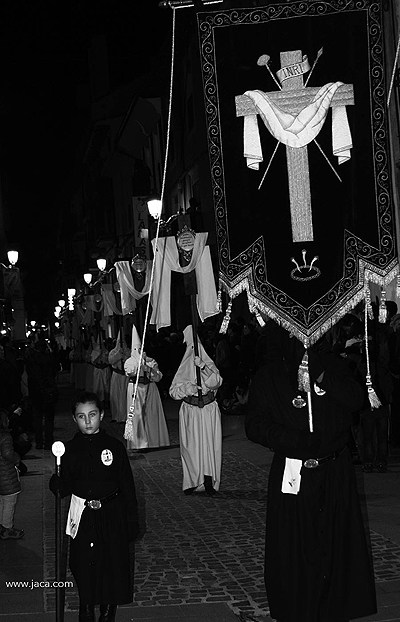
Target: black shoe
{"x": 86, "y": 613}
{"x": 188, "y": 491}
{"x": 107, "y": 613}
{"x": 210, "y": 491}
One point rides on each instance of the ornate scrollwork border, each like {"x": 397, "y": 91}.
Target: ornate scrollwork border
{"x": 362, "y": 262}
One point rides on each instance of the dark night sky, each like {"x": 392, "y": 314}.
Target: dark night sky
{"x": 43, "y": 60}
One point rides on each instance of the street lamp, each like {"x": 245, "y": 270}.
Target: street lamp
{"x": 71, "y": 294}
{"x": 155, "y": 208}
{"x": 12, "y": 257}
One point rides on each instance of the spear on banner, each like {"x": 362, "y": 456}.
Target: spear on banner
{"x": 319, "y": 54}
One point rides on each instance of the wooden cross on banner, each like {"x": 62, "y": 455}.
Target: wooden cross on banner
{"x": 293, "y": 97}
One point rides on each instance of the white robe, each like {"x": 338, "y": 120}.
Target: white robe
{"x": 149, "y": 425}
{"x": 200, "y": 429}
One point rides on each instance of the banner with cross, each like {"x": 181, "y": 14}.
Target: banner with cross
{"x": 297, "y": 133}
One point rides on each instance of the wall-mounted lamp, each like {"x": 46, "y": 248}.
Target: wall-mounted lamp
{"x": 87, "y": 277}
{"x": 71, "y": 294}
{"x": 155, "y": 207}
{"x": 61, "y": 303}
{"x": 101, "y": 264}
{"x": 12, "y": 258}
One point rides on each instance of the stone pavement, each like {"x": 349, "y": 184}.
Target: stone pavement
{"x": 201, "y": 558}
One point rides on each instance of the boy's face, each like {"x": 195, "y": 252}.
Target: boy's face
{"x": 88, "y": 417}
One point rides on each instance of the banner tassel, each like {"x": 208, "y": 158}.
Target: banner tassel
{"x": 303, "y": 376}
{"x": 368, "y": 305}
{"x": 219, "y": 301}
{"x": 227, "y": 318}
{"x": 128, "y": 432}
{"x": 372, "y": 396}
{"x": 382, "y": 308}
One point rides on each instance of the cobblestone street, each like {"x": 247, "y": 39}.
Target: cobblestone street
{"x": 195, "y": 549}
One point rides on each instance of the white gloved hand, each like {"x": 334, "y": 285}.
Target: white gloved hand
{"x": 199, "y": 362}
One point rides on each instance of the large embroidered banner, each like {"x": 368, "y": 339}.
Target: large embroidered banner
{"x": 295, "y": 108}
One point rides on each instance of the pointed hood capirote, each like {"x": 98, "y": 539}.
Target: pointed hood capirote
{"x": 187, "y": 369}
{"x": 132, "y": 363}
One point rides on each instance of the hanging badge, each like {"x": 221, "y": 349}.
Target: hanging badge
{"x": 299, "y": 402}
{"x": 106, "y": 457}
{"x": 318, "y": 390}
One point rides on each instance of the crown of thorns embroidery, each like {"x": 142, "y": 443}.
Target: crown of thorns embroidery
{"x": 306, "y": 272}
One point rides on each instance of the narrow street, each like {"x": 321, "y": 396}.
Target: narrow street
{"x": 200, "y": 558}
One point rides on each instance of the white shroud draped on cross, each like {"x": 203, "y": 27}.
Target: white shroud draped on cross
{"x": 294, "y": 116}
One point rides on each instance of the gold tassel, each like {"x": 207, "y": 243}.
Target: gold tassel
{"x": 128, "y": 432}
{"x": 259, "y": 317}
{"x": 219, "y": 301}
{"x": 303, "y": 375}
{"x": 227, "y": 318}
{"x": 382, "y": 308}
{"x": 368, "y": 304}
{"x": 372, "y": 396}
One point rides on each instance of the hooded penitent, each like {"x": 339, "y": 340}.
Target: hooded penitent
{"x": 186, "y": 372}
{"x": 131, "y": 365}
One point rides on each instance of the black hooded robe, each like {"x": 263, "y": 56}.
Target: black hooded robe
{"x": 317, "y": 565}
{"x": 100, "y": 557}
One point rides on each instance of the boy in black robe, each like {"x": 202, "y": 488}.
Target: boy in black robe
{"x": 103, "y": 516}
{"x": 317, "y": 566}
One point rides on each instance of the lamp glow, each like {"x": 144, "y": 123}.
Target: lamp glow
{"x": 155, "y": 207}
{"x": 101, "y": 264}
{"x": 87, "y": 277}
{"x": 71, "y": 294}
{"x": 58, "y": 309}
{"x": 12, "y": 257}
{"x": 61, "y": 303}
